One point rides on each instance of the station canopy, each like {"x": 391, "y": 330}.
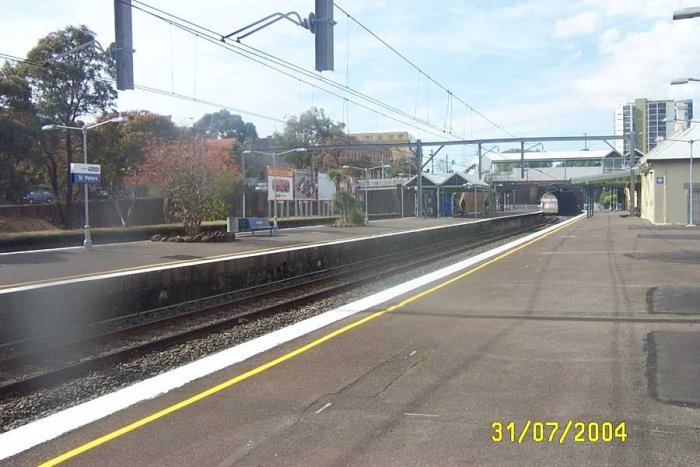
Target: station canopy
{"x": 453, "y": 182}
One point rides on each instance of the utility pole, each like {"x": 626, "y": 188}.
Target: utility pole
{"x": 419, "y": 180}
{"x": 480, "y": 170}
{"x": 633, "y": 142}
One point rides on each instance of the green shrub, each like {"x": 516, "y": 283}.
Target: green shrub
{"x": 356, "y": 217}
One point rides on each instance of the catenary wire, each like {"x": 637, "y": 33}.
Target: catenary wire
{"x": 407, "y": 60}
{"x": 261, "y": 57}
{"x": 159, "y": 91}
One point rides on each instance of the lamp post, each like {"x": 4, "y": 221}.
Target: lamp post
{"x": 690, "y": 176}
{"x": 366, "y": 171}
{"x": 683, "y": 80}
{"x": 87, "y": 242}
{"x": 686, "y": 13}
{"x": 274, "y": 164}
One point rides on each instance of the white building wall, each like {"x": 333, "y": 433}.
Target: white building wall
{"x": 667, "y": 203}
{"x": 619, "y": 128}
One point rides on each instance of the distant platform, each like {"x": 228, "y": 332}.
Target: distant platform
{"x": 44, "y": 266}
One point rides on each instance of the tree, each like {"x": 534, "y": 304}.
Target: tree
{"x": 18, "y": 133}
{"x": 310, "y": 128}
{"x": 223, "y": 124}
{"x": 194, "y": 176}
{"x": 64, "y": 91}
{"x": 121, "y": 149}
{"x": 400, "y": 164}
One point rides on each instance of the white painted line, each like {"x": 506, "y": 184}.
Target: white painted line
{"x": 48, "y": 428}
{"x": 99, "y": 245}
{"x": 324, "y": 408}
{"x": 164, "y": 267}
{"x": 80, "y": 247}
{"x": 409, "y": 414}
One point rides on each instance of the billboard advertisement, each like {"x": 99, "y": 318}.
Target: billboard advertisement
{"x": 280, "y": 182}
{"x": 326, "y": 187}
{"x": 304, "y": 186}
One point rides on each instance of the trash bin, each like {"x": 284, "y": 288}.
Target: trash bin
{"x": 232, "y": 224}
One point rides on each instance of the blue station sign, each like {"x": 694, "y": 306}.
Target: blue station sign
{"x": 85, "y": 173}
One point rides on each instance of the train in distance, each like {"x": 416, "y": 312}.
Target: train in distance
{"x": 549, "y": 204}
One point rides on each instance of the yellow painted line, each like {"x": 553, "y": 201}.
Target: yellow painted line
{"x": 155, "y": 265}
{"x": 288, "y": 356}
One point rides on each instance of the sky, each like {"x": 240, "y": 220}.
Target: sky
{"x": 535, "y": 67}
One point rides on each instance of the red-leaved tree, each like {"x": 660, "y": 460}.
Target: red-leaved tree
{"x": 194, "y": 177}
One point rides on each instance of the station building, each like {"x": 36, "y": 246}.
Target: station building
{"x": 665, "y": 179}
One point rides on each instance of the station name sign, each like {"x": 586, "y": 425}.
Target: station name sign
{"x": 85, "y": 173}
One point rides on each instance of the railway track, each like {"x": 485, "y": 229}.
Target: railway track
{"x": 28, "y": 371}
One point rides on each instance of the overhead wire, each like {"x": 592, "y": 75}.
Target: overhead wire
{"x": 262, "y": 57}
{"x": 430, "y": 78}
{"x": 160, "y": 92}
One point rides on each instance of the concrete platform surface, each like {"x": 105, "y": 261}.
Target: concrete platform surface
{"x": 23, "y": 268}
{"x": 556, "y": 331}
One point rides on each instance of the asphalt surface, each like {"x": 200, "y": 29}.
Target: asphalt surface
{"x": 562, "y": 329}
{"x": 65, "y": 263}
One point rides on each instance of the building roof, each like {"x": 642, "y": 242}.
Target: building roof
{"x": 675, "y": 150}
{"x": 551, "y": 155}
{"x": 456, "y": 179}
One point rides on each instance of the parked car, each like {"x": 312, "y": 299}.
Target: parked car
{"x": 38, "y": 197}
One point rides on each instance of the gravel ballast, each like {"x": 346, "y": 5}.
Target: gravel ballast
{"x": 17, "y": 411}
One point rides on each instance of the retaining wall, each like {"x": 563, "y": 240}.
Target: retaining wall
{"x": 49, "y": 309}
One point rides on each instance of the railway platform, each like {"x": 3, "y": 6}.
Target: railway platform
{"x": 591, "y": 325}
{"x": 63, "y": 264}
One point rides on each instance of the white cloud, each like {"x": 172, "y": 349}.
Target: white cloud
{"x": 642, "y": 64}
{"x": 529, "y": 9}
{"x": 500, "y": 57}
{"x": 649, "y": 9}
{"x": 608, "y": 40}
{"x": 579, "y": 25}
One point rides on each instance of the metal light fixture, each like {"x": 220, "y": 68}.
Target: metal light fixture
{"x": 87, "y": 242}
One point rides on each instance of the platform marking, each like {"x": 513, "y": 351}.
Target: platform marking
{"x": 18, "y": 287}
{"x": 48, "y": 428}
{"x": 244, "y": 233}
{"x": 144, "y": 268}
{"x": 63, "y": 248}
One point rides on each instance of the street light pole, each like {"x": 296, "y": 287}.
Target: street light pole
{"x": 366, "y": 171}
{"x": 683, "y": 80}
{"x": 87, "y": 242}
{"x": 366, "y": 190}
{"x": 690, "y": 188}
{"x": 244, "y": 183}
{"x": 274, "y": 190}
{"x": 686, "y": 13}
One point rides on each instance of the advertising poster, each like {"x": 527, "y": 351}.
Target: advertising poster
{"x": 326, "y": 187}
{"x": 280, "y": 181}
{"x": 304, "y": 186}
